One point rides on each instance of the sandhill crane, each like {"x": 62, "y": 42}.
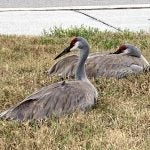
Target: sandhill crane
{"x": 59, "y": 98}
{"x": 126, "y": 60}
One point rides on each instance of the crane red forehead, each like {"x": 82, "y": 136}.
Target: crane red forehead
{"x": 73, "y": 42}
{"x": 122, "y": 48}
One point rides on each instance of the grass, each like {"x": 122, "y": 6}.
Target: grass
{"x": 121, "y": 119}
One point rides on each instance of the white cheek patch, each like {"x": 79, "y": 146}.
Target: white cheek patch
{"x": 126, "y": 51}
{"x": 75, "y": 47}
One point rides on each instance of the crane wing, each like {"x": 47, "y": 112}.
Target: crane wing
{"x": 64, "y": 67}
{"x": 56, "y": 99}
{"x": 113, "y": 65}
{"x": 100, "y": 64}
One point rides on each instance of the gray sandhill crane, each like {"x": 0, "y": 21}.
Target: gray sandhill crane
{"x": 126, "y": 60}
{"x": 59, "y": 98}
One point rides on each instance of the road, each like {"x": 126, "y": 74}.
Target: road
{"x": 62, "y": 3}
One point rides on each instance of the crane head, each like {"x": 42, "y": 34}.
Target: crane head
{"x": 73, "y": 45}
{"x": 128, "y": 49}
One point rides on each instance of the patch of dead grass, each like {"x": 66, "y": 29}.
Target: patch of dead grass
{"x": 119, "y": 121}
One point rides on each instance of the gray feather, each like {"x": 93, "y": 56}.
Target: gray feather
{"x": 56, "y": 99}
{"x": 109, "y": 65}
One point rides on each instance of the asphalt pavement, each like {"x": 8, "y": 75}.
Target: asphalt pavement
{"x": 62, "y": 3}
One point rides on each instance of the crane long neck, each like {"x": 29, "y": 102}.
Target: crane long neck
{"x": 80, "y": 72}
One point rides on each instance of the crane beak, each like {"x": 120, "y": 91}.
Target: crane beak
{"x": 65, "y": 51}
{"x": 117, "y": 51}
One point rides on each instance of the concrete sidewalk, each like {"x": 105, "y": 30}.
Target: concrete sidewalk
{"x": 33, "y": 22}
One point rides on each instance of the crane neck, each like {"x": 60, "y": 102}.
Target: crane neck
{"x": 80, "y": 71}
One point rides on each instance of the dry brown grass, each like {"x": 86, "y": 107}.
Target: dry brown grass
{"x": 121, "y": 119}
